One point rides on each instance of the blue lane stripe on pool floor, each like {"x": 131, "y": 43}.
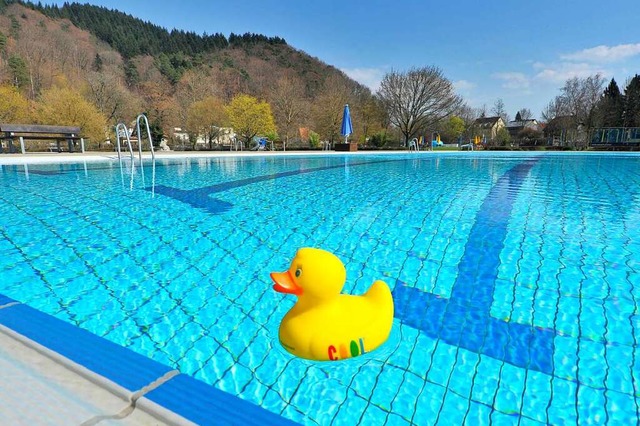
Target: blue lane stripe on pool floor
{"x": 464, "y": 319}
{"x": 192, "y": 399}
{"x": 4, "y": 300}
{"x": 200, "y": 198}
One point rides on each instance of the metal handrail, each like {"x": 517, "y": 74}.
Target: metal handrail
{"x": 146, "y": 121}
{"x": 122, "y": 127}
{"x": 237, "y": 143}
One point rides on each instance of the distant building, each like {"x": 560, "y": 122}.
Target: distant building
{"x": 225, "y": 137}
{"x": 488, "y": 127}
{"x": 180, "y": 136}
{"x": 517, "y": 126}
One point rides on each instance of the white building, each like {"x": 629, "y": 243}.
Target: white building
{"x": 225, "y": 138}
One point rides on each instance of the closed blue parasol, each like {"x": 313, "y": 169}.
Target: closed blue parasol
{"x": 347, "y": 128}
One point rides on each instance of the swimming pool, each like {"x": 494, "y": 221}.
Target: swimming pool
{"x": 515, "y": 277}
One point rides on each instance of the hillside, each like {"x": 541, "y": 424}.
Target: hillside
{"x": 125, "y": 66}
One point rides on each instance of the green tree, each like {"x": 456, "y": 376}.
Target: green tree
{"x": 63, "y": 106}
{"x": 314, "y": 139}
{"x": 528, "y": 135}
{"x": 157, "y": 133}
{"x": 131, "y": 75}
{"x": 452, "y": 129}
{"x": 3, "y": 44}
{"x": 97, "y": 63}
{"x": 19, "y": 71}
{"x": 15, "y": 27}
{"x": 379, "y": 139}
{"x": 250, "y": 117}
{"x": 503, "y": 138}
{"x": 172, "y": 66}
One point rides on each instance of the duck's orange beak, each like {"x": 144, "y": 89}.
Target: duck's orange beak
{"x": 284, "y": 283}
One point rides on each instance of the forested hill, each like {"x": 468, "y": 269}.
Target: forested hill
{"x": 178, "y": 51}
{"x": 123, "y": 66}
{"x": 132, "y": 36}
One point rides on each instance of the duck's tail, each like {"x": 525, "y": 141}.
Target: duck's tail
{"x": 380, "y": 296}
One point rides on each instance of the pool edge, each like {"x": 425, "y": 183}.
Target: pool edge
{"x": 22, "y": 323}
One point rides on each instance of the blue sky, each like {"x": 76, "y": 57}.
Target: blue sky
{"x": 521, "y": 52}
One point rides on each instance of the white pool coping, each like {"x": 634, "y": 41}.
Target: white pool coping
{"x": 53, "y": 158}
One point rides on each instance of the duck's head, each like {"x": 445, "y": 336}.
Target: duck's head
{"x": 313, "y": 273}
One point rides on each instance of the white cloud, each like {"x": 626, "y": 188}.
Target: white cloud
{"x": 563, "y": 71}
{"x": 604, "y": 54}
{"x": 537, "y": 80}
{"x": 463, "y": 85}
{"x": 513, "y": 80}
{"x": 370, "y": 77}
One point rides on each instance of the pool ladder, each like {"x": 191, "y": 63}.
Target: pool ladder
{"x": 122, "y": 132}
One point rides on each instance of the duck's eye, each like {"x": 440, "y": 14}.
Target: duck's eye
{"x": 298, "y": 272}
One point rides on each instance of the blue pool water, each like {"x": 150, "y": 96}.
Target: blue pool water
{"x": 515, "y": 277}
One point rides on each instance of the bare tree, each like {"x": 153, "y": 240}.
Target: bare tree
{"x": 370, "y": 115}
{"x": 579, "y": 98}
{"x": 499, "y": 110}
{"x": 552, "y": 110}
{"x": 104, "y": 90}
{"x": 418, "y": 99}
{"x": 195, "y": 85}
{"x": 206, "y": 118}
{"x": 327, "y": 109}
{"x": 35, "y": 47}
{"x": 288, "y": 105}
{"x": 571, "y": 113}
{"x": 469, "y": 115}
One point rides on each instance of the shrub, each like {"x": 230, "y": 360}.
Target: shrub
{"x": 379, "y": 139}
{"x": 314, "y": 139}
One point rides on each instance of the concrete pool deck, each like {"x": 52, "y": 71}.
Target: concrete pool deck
{"x": 39, "y": 387}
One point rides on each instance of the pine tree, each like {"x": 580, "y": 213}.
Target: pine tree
{"x": 131, "y": 75}
{"x": 19, "y": 71}
{"x": 611, "y": 106}
{"x": 3, "y": 44}
{"x": 97, "y": 63}
{"x": 632, "y": 103}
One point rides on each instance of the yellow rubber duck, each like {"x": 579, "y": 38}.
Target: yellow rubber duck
{"x": 325, "y": 325}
